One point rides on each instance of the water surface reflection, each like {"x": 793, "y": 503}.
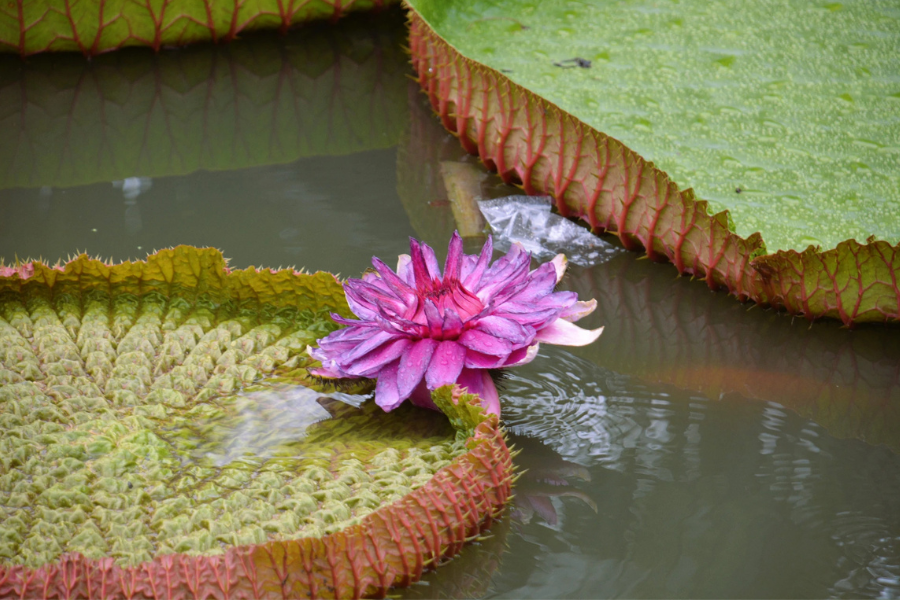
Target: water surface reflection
{"x": 730, "y": 453}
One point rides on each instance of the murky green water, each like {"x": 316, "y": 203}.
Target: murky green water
{"x": 698, "y": 449}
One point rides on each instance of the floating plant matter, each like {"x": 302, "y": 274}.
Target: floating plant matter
{"x": 419, "y": 329}
{"x": 159, "y": 438}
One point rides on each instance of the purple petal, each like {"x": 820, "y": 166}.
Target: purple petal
{"x": 386, "y": 395}
{"x": 379, "y": 338}
{"x": 352, "y": 322}
{"x": 472, "y": 279}
{"x": 485, "y": 343}
{"x": 504, "y": 273}
{"x": 561, "y": 300}
{"x": 541, "y": 282}
{"x": 431, "y": 262}
{"x": 467, "y": 304}
{"x": 420, "y": 270}
{"x": 522, "y": 356}
{"x": 328, "y": 373}
{"x": 413, "y": 364}
{"x": 454, "y": 258}
{"x": 536, "y": 318}
{"x": 506, "y": 329}
{"x": 566, "y": 334}
{"x": 360, "y": 309}
{"x": 405, "y": 270}
{"x": 371, "y": 363}
{"x": 446, "y": 364}
{"x": 578, "y": 310}
{"x": 406, "y": 293}
{"x": 421, "y": 397}
{"x": 479, "y": 382}
{"x": 452, "y": 325}
{"x": 374, "y": 297}
{"x": 434, "y": 319}
{"x": 477, "y": 360}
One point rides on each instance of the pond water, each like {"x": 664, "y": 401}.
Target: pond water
{"x": 699, "y": 448}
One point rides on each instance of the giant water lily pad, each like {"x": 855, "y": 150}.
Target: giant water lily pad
{"x": 32, "y": 26}
{"x": 794, "y": 103}
{"x": 812, "y": 232}
{"x": 160, "y": 413}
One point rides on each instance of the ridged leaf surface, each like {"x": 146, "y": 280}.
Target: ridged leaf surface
{"x": 95, "y": 26}
{"x": 157, "y": 416}
{"x": 528, "y": 139}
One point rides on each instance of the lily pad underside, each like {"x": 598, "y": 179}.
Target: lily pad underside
{"x": 96, "y": 26}
{"x": 536, "y": 130}
{"x": 161, "y": 437}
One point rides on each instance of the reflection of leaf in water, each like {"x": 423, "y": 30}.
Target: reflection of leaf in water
{"x": 267, "y": 100}
{"x": 266, "y": 423}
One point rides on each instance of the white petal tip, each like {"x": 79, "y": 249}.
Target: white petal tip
{"x": 579, "y": 310}
{"x": 563, "y": 333}
{"x": 560, "y": 263}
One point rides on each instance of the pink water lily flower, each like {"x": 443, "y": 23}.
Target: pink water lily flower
{"x": 418, "y": 330}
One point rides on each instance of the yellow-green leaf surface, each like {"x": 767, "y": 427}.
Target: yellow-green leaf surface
{"x": 796, "y": 104}
{"x": 95, "y": 26}
{"x": 164, "y": 406}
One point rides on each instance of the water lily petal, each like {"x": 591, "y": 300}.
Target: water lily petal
{"x": 452, "y": 326}
{"x": 506, "y": 329}
{"x": 536, "y": 318}
{"x": 377, "y": 339}
{"x": 541, "y": 282}
{"x": 467, "y": 304}
{"x": 478, "y": 360}
{"x": 480, "y": 341}
{"x": 478, "y": 381}
{"x": 370, "y": 364}
{"x": 434, "y": 319}
{"x": 413, "y": 364}
{"x": 420, "y": 269}
{"x": 405, "y": 270}
{"x": 372, "y": 296}
{"x": 400, "y": 287}
{"x": 472, "y": 278}
{"x": 567, "y": 334}
{"x": 522, "y": 356}
{"x": 421, "y": 397}
{"x": 446, "y": 364}
{"x": 453, "y": 264}
{"x": 578, "y": 310}
{"x": 507, "y": 271}
{"x": 386, "y": 394}
{"x": 560, "y": 264}
{"x": 431, "y": 262}
{"x": 560, "y": 300}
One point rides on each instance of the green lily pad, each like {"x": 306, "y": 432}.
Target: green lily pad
{"x": 165, "y": 407}
{"x": 32, "y": 26}
{"x": 794, "y": 104}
